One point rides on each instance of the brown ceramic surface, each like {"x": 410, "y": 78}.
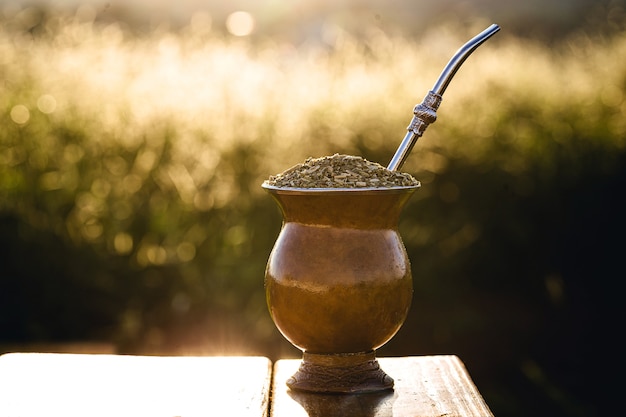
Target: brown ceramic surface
{"x": 338, "y": 279}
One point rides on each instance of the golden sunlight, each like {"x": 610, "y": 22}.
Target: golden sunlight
{"x": 106, "y": 385}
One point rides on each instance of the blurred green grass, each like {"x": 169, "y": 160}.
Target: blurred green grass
{"x": 131, "y": 210}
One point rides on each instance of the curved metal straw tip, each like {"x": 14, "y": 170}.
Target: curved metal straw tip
{"x": 460, "y": 56}
{"x": 426, "y": 112}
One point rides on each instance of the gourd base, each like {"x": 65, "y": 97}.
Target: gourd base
{"x": 347, "y": 373}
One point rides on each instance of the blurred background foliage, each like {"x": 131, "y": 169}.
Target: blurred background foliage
{"x": 131, "y": 213}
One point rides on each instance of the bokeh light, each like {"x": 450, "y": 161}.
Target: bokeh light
{"x": 46, "y": 104}
{"x": 240, "y": 23}
{"x": 20, "y": 114}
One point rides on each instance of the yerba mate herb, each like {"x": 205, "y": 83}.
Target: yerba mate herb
{"x": 340, "y": 171}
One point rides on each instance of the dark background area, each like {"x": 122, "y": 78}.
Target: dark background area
{"x": 518, "y": 273}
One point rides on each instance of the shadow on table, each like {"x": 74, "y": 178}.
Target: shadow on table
{"x": 378, "y": 404}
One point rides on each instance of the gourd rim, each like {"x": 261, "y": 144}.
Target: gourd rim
{"x": 356, "y": 190}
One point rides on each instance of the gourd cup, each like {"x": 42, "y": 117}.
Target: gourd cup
{"x": 338, "y": 282}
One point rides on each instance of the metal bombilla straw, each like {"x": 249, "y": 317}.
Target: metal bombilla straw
{"x": 426, "y": 113}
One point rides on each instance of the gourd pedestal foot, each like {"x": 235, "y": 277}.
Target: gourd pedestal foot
{"x": 348, "y": 373}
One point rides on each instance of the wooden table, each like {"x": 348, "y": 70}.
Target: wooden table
{"x": 425, "y": 386}
{"x": 68, "y": 385}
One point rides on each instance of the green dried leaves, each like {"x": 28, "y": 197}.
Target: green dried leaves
{"x": 340, "y": 171}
